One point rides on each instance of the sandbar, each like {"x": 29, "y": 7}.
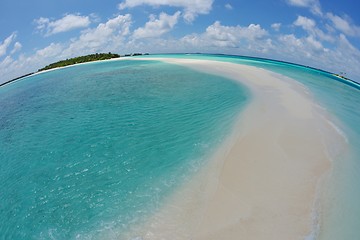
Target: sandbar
{"x": 264, "y": 181}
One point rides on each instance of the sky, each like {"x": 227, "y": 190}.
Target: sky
{"x": 318, "y": 33}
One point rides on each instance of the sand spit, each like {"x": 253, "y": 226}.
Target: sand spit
{"x": 263, "y": 182}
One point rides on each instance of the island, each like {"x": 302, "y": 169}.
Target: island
{"x": 81, "y": 59}
{"x": 76, "y": 60}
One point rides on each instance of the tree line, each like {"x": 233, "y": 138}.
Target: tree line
{"x": 81, "y": 59}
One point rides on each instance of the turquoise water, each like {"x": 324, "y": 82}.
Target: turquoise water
{"x": 88, "y": 151}
{"x": 340, "y": 213}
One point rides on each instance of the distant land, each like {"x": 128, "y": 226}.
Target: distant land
{"x": 12, "y": 80}
{"x": 106, "y": 56}
{"x": 81, "y": 59}
{"x": 76, "y": 60}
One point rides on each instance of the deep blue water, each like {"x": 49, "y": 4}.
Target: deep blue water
{"x": 92, "y": 149}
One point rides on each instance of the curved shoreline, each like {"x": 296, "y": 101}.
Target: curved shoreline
{"x": 262, "y": 183}
{"x": 335, "y": 76}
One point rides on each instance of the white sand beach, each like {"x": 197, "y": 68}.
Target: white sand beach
{"x": 264, "y": 181}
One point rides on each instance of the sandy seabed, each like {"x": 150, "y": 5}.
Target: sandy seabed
{"x": 265, "y": 181}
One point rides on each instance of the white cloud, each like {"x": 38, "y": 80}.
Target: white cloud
{"x": 5, "y": 64}
{"x": 344, "y": 58}
{"x": 309, "y": 25}
{"x": 314, "y": 49}
{"x": 215, "y": 38}
{"x": 314, "y": 44}
{"x": 6, "y": 43}
{"x": 301, "y": 3}
{"x": 191, "y": 8}
{"x": 17, "y": 47}
{"x": 220, "y": 36}
{"x": 344, "y": 43}
{"x": 291, "y": 42}
{"x": 41, "y": 23}
{"x": 304, "y": 22}
{"x": 228, "y": 6}
{"x": 67, "y": 23}
{"x": 306, "y": 50}
{"x": 157, "y": 27}
{"x": 276, "y": 26}
{"x": 50, "y": 51}
{"x": 105, "y": 37}
{"x": 233, "y": 34}
{"x": 341, "y": 57}
{"x": 11, "y": 68}
{"x": 313, "y": 5}
{"x": 344, "y": 25}
{"x": 41, "y": 57}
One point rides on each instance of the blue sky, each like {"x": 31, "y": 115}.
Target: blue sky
{"x": 322, "y": 34}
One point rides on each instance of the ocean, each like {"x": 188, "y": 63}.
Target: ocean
{"x": 88, "y": 151}
{"x": 91, "y": 150}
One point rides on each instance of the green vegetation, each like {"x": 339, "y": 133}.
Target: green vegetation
{"x": 12, "y": 80}
{"x": 340, "y": 76}
{"x": 81, "y": 59}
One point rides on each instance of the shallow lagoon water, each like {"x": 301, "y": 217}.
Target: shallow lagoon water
{"x": 89, "y": 150}
{"x": 92, "y": 149}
